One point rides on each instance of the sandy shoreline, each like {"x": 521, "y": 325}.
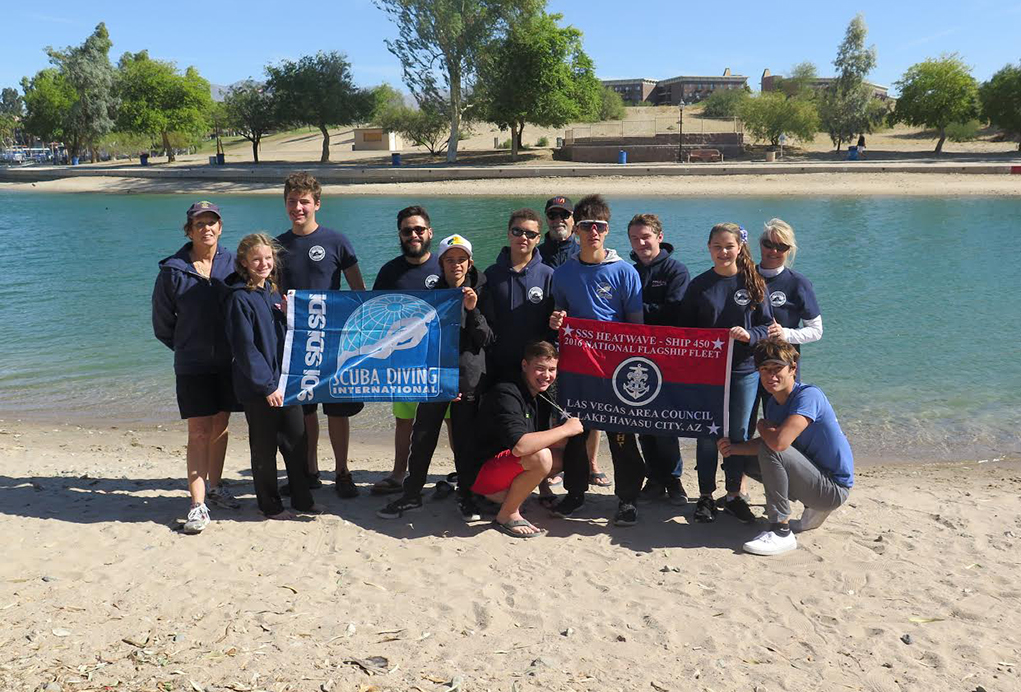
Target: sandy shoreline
{"x": 805, "y": 184}
{"x": 98, "y": 591}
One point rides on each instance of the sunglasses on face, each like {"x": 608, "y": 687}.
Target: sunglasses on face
{"x": 777, "y": 247}
{"x": 589, "y": 225}
{"x": 557, "y": 215}
{"x": 518, "y": 232}
{"x": 408, "y": 231}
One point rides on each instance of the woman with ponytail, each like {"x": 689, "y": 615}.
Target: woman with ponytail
{"x": 731, "y": 295}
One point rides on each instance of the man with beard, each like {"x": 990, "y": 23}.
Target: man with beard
{"x": 415, "y": 269}
{"x": 558, "y": 246}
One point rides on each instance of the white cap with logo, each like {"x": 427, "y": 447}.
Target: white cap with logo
{"x": 458, "y": 241}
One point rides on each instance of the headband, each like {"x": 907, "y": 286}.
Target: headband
{"x": 744, "y": 234}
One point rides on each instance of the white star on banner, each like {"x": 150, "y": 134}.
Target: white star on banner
{"x": 717, "y": 344}
{"x": 713, "y": 429}
{"x": 567, "y": 330}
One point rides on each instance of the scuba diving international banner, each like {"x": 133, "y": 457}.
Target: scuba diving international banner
{"x": 371, "y": 346}
{"x": 633, "y": 378}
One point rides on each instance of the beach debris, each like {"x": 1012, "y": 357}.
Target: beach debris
{"x": 351, "y": 629}
{"x": 658, "y": 686}
{"x": 568, "y": 632}
{"x": 327, "y": 686}
{"x": 979, "y": 688}
{"x": 197, "y": 687}
{"x": 47, "y": 578}
{"x": 907, "y": 639}
{"x": 53, "y": 686}
{"x": 925, "y": 621}
{"x": 456, "y": 683}
{"x": 289, "y": 588}
{"x": 61, "y": 632}
{"x": 373, "y": 665}
{"x": 139, "y": 640}
{"x": 621, "y": 638}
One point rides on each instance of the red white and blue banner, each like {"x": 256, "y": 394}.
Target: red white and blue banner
{"x": 371, "y": 346}
{"x": 634, "y": 378}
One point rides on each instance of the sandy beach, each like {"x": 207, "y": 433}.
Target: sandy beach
{"x": 765, "y": 185}
{"x": 911, "y": 586}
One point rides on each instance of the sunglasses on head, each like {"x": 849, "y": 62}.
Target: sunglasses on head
{"x": 558, "y": 214}
{"x": 777, "y": 247}
{"x": 589, "y": 224}
{"x": 518, "y": 232}
{"x": 408, "y": 231}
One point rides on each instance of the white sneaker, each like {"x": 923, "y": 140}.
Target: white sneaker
{"x": 810, "y": 519}
{"x": 769, "y": 543}
{"x": 198, "y": 519}
{"x": 220, "y": 496}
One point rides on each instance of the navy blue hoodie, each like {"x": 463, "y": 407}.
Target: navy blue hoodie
{"x": 664, "y": 281}
{"x": 476, "y": 335}
{"x": 187, "y": 314}
{"x": 722, "y": 302}
{"x": 521, "y": 305}
{"x": 255, "y": 329}
{"x": 555, "y": 252}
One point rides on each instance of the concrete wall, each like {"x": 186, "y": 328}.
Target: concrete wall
{"x": 662, "y": 147}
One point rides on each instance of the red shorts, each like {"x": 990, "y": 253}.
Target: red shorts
{"x": 497, "y": 473}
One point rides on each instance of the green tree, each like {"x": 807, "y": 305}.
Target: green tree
{"x": 1001, "y": 101}
{"x": 440, "y": 45}
{"x": 771, "y": 114}
{"x": 611, "y": 105}
{"x": 799, "y": 84}
{"x": 384, "y": 98}
{"x": 88, "y": 72}
{"x": 7, "y": 125}
{"x": 426, "y": 127}
{"x": 11, "y": 103}
{"x": 48, "y": 100}
{"x": 158, "y": 101}
{"x": 849, "y": 107}
{"x": 318, "y": 90}
{"x": 530, "y": 77}
{"x": 725, "y": 103}
{"x": 252, "y": 111}
{"x": 935, "y": 93}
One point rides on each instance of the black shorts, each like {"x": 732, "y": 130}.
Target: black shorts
{"x": 344, "y": 410}
{"x": 206, "y": 394}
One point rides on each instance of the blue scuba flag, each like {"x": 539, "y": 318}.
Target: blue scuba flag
{"x": 371, "y": 346}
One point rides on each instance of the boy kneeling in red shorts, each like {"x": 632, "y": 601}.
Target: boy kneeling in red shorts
{"x": 518, "y": 455}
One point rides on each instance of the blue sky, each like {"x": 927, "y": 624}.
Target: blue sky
{"x": 229, "y": 41}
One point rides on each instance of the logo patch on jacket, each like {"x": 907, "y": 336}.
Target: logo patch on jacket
{"x": 316, "y": 253}
{"x": 535, "y": 294}
{"x": 657, "y": 283}
{"x": 778, "y": 298}
{"x": 741, "y": 297}
{"x": 431, "y": 280}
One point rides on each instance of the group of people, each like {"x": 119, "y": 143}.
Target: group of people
{"x": 223, "y": 315}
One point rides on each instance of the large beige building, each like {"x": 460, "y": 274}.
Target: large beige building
{"x": 674, "y": 91}
{"x": 770, "y": 82}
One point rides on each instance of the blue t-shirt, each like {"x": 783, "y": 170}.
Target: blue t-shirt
{"x": 822, "y": 442}
{"x": 793, "y": 298}
{"x": 607, "y": 292}
{"x": 315, "y": 262}
{"x": 401, "y": 275}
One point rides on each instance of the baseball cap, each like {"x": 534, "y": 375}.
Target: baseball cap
{"x": 560, "y": 203}
{"x": 200, "y": 207}
{"x": 458, "y": 241}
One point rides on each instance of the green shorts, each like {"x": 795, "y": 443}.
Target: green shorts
{"x": 406, "y": 410}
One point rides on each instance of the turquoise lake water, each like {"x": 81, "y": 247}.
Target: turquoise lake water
{"x": 919, "y": 297}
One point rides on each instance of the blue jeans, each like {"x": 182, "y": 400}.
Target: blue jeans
{"x": 663, "y": 461}
{"x": 743, "y": 387}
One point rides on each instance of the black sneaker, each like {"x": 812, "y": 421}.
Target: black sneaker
{"x": 568, "y": 506}
{"x": 705, "y": 510}
{"x": 346, "y": 487}
{"x": 675, "y": 493}
{"x": 627, "y": 515}
{"x": 397, "y": 508}
{"x": 721, "y": 501}
{"x": 739, "y": 508}
{"x": 469, "y": 509}
{"x": 653, "y": 490}
{"x": 314, "y": 482}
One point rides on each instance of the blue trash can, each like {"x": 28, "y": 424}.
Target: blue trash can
{"x": 852, "y": 153}
{"x": 621, "y": 156}
{"x": 395, "y": 158}
{"x": 220, "y": 159}
{"x": 143, "y": 159}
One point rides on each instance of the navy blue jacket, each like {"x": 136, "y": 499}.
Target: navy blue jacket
{"x": 555, "y": 252}
{"x": 187, "y": 314}
{"x": 521, "y": 305}
{"x": 255, "y": 329}
{"x": 476, "y": 335}
{"x": 722, "y": 302}
{"x": 664, "y": 282}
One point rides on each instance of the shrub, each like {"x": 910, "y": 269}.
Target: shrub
{"x": 963, "y": 132}
{"x": 543, "y": 142}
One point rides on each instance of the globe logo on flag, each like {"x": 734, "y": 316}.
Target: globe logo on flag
{"x": 383, "y": 325}
{"x": 637, "y": 381}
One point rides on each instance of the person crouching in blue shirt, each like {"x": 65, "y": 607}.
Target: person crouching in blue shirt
{"x": 664, "y": 280}
{"x": 802, "y": 452}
